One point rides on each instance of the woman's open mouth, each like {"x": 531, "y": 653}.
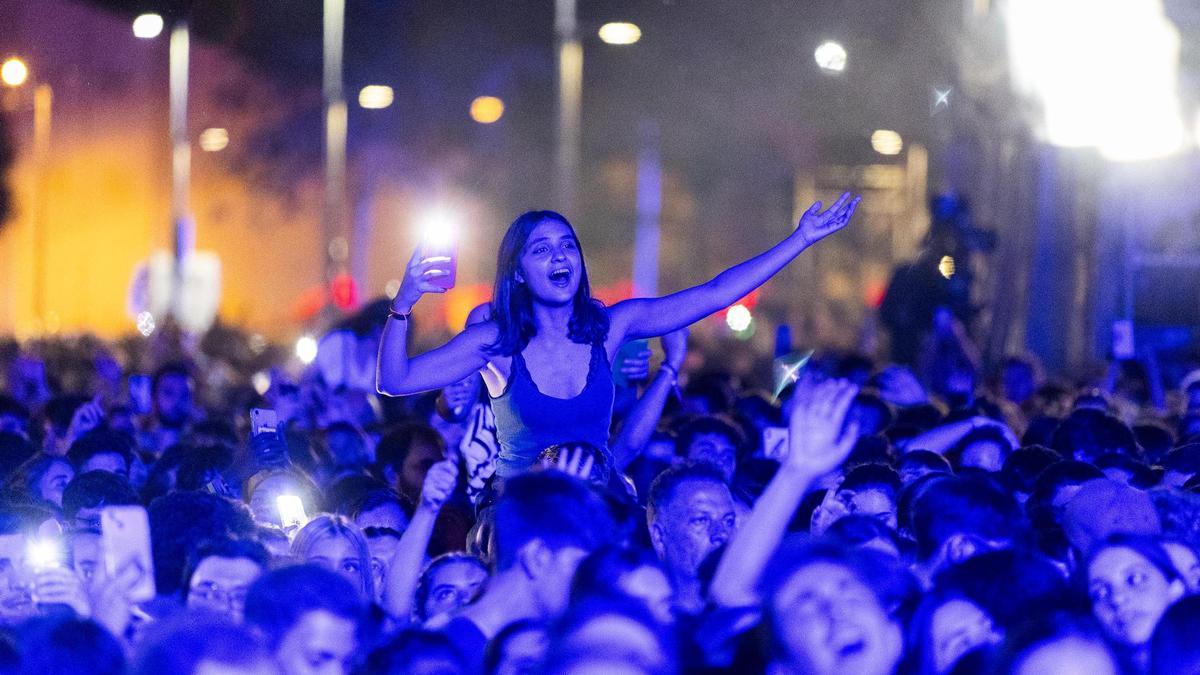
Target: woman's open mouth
{"x": 561, "y": 277}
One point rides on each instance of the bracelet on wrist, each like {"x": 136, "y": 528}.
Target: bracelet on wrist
{"x": 393, "y": 313}
{"x": 674, "y": 371}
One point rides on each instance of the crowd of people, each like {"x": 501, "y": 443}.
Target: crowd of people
{"x": 856, "y": 516}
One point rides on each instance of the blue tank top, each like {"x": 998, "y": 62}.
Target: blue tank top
{"x": 528, "y": 421}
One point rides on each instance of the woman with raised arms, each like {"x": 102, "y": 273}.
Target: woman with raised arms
{"x": 544, "y": 353}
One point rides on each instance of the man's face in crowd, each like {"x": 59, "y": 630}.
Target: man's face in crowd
{"x": 381, "y": 548}
{"x": 717, "y": 449}
{"x": 88, "y": 518}
{"x": 173, "y": 400}
{"x": 697, "y": 520}
{"x": 85, "y": 553}
{"x": 452, "y": 586}
{"x": 16, "y": 603}
{"x": 219, "y": 584}
{"x": 1129, "y": 594}
{"x": 320, "y": 643}
{"x": 874, "y": 503}
{"x": 347, "y": 448}
{"x": 421, "y": 456}
{"x": 54, "y": 481}
{"x": 263, "y": 502}
{"x": 830, "y": 622}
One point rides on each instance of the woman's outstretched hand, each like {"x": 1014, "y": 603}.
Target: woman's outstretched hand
{"x": 418, "y": 280}
{"x": 816, "y": 224}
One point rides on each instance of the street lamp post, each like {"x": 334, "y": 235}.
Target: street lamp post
{"x": 570, "y": 100}
{"x": 147, "y": 27}
{"x": 335, "y": 133}
{"x": 15, "y": 73}
{"x": 181, "y": 159}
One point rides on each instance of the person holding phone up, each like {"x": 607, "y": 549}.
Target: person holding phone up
{"x": 545, "y": 351}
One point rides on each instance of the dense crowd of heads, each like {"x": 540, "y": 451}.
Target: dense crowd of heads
{"x": 870, "y": 518}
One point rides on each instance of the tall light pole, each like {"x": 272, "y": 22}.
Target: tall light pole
{"x": 570, "y": 101}
{"x": 15, "y": 73}
{"x": 183, "y": 237}
{"x": 335, "y": 133}
{"x": 647, "y": 232}
{"x": 147, "y": 27}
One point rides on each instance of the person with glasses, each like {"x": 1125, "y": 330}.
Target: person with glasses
{"x": 220, "y": 573}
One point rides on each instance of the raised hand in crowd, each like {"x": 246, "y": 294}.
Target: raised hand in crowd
{"x": 87, "y": 417}
{"x": 819, "y": 440}
{"x": 409, "y": 558}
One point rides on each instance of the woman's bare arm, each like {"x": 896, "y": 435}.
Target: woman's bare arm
{"x": 404, "y": 572}
{"x": 397, "y": 373}
{"x": 649, "y": 317}
{"x": 642, "y": 420}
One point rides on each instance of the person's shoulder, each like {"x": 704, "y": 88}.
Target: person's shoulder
{"x": 483, "y": 333}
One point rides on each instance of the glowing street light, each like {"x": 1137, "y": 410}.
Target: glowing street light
{"x": 738, "y": 318}
{"x": 946, "y": 266}
{"x": 145, "y": 323}
{"x": 887, "y": 142}
{"x": 830, "y": 56}
{"x": 306, "y": 349}
{"x": 147, "y": 26}
{"x": 376, "y": 96}
{"x": 487, "y": 109}
{"x": 620, "y": 33}
{"x": 14, "y": 72}
{"x": 214, "y": 140}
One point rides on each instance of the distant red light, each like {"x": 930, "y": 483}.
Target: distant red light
{"x": 344, "y": 292}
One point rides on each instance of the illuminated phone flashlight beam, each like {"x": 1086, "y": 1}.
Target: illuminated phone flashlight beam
{"x": 941, "y": 97}
{"x": 791, "y": 375}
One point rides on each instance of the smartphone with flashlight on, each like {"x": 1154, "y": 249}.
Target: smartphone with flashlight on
{"x": 439, "y": 239}
{"x": 41, "y": 555}
{"x": 292, "y": 516}
{"x": 45, "y": 553}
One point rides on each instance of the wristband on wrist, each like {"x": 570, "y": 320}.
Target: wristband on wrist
{"x": 673, "y": 369}
{"x": 399, "y": 316}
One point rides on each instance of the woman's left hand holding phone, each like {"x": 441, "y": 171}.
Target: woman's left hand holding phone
{"x": 418, "y": 280}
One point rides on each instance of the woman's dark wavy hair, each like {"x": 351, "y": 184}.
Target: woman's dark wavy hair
{"x": 512, "y": 305}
